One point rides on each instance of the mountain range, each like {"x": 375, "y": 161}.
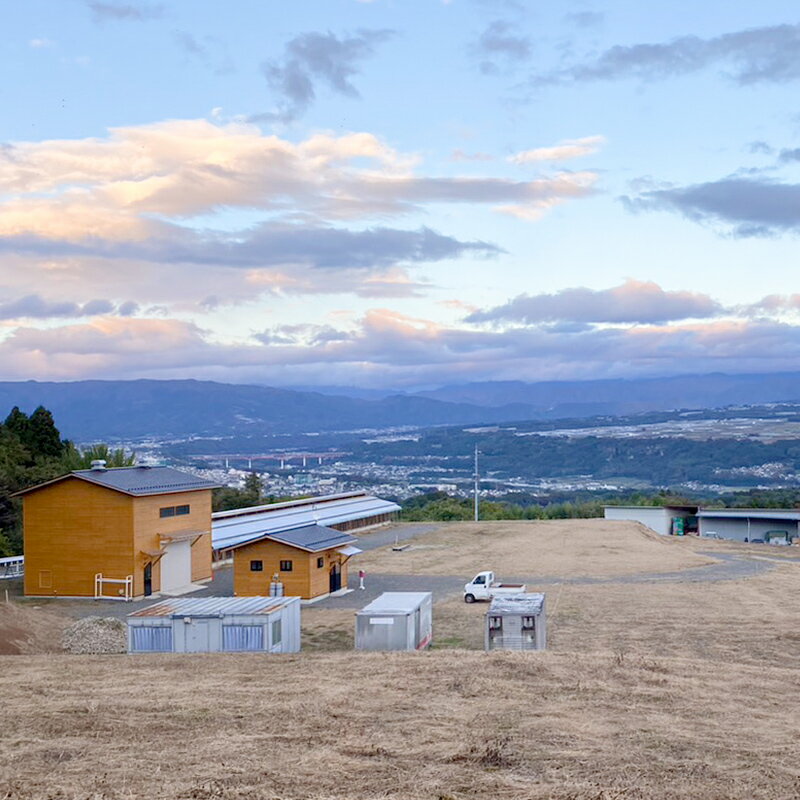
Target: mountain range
{"x": 114, "y": 410}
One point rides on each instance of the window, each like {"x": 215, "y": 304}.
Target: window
{"x": 151, "y": 639}
{"x": 286, "y": 566}
{"x": 320, "y": 562}
{"x": 242, "y": 638}
{"x": 528, "y": 623}
{"x": 480, "y": 579}
{"x": 173, "y": 511}
{"x": 256, "y": 566}
{"x": 495, "y": 623}
{"x": 276, "y": 632}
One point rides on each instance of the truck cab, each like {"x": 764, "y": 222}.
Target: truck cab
{"x": 484, "y": 587}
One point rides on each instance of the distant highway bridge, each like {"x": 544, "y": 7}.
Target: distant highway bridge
{"x": 283, "y": 458}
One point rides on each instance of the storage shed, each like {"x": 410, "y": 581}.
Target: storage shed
{"x": 516, "y": 622}
{"x": 396, "y": 621}
{"x": 666, "y": 520}
{"x": 217, "y": 624}
{"x": 751, "y": 524}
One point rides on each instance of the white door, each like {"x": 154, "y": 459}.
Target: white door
{"x": 198, "y": 636}
{"x": 176, "y": 566}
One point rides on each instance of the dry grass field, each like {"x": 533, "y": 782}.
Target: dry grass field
{"x": 660, "y": 689}
{"x": 566, "y": 548}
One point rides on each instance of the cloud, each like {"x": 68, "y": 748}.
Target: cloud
{"x": 390, "y": 349}
{"x": 460, "y": 155}
{"x": 40, "y": 43}
{"x": 313, "y": 58}
{"x": 34, "y": 306}
{"x": 642, "y": 302}
{"x": 208, "y": 50}
{"x": 124, "y": 12}
{"x": 748, "y": 57}
{"x": 743, "y": 207}
{"x": 500, "y": 42}
{"x": 585, "y": 19}
{"x": 571, "y": 148}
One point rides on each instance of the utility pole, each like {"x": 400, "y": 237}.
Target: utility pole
{"x": 477, "y": 482}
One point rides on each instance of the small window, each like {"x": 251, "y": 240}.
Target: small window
{"x": 528, "y": 623}
{"x": 169, "y": 511}
{"x": 256, "y": 566}
{"x": 320, "y": 562}
{"x": 480, "y": 579}
{"x": 276, "y": 632}
{"x": 495, "y": 623}
{"x": 181, "y": 510}
{"x": 286, "y": 566}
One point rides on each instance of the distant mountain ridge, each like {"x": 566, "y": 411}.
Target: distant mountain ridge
{"x": 93, "y": 410}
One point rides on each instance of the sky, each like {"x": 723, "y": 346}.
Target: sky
{"x": 398, "y": 194}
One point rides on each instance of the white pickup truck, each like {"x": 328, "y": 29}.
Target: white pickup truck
{"x": 483, "y": 587}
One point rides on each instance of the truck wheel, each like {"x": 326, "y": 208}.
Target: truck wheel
{"x": 469, "y": 598}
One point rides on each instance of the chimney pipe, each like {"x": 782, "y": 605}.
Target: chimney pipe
{"x": 99, "y": 465}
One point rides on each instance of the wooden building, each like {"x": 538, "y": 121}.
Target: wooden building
{"x": 310, "y": 562}
{"x": 128, "y": 532}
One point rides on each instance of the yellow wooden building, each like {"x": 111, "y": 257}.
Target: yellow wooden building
{"x": 310, "y": 562}
{"x": 131, "y": 531}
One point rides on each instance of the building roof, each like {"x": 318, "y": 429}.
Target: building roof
{"x": 531, "y": 604}
{"x": 750, "y": 513}
{"x": 213, "y": 606}
{"x": 655, "y": 508}
{"x": 233, "y": 528}
{"x": 136, "y": 481}
{"x": 396, "y": 603}
{"x": 314, "y": 538}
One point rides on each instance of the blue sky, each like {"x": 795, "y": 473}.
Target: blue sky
{"x": 398, "y": 194}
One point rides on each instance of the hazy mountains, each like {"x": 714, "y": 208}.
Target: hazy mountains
{"x": 87, "y": 410}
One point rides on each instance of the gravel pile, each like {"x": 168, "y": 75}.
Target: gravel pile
{"x": 96, "y": 635}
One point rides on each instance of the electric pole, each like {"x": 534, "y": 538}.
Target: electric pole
{"x": 477, "y": 482}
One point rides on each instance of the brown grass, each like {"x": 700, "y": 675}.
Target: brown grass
{"x": 437, "y": 725}
{"x": 566, "y": 548}
{"x": 674, "y": 691}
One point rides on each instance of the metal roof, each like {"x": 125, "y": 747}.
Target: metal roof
{"x": 396, "y": 603}
{"x": 213, "y": 606}
{"x": 137, "y": 481}
{"x": 314, "y": 538}
{"x": 531, "y": 604}
{"x": 750, "y": 513}
{"x": 230, "y": 530}
{"x": 301, "y": 501}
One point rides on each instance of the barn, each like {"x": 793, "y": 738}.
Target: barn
{"x": 304, "y": 544}
{"x": 123, "y": 533}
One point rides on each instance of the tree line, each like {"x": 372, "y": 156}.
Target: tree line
{"x": 31, "y": 452}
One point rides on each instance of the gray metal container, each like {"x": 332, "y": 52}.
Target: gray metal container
{"x": 516, "y": 622}
{"x": 217, "y": 624}
{"x": 396, "y": 621}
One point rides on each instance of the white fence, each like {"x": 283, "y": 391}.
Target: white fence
{"x": 124, "y": 587}
{"x": 13, "y": 567}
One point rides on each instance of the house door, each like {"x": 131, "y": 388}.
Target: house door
{"x": 198, "y": 635}
{"x": 148, "y": 579}
{"x": 336, "y": 578}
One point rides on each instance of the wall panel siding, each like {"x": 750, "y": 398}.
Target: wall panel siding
{"x": 74, "y": 529}
{"x": 149, "y": 526}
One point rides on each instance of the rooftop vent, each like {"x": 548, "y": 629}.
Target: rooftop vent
{"x": 99, "y": 465}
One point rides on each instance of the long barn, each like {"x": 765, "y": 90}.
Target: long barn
{"x": 303, "y": 544}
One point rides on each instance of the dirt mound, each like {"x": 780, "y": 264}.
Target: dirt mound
{"x": 28, "y": 631}
{"x": 93, "y": 635}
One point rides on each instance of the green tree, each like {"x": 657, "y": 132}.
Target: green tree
{"x": 75, "y": 458}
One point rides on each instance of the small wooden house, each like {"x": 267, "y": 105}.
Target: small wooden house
{"x": 125, "y": 532}
{"x": 310, "y": 562}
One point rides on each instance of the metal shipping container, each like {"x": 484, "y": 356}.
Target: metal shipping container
{"x": 516, "y": 622}
{"x": 217, "y": 624}
{"x": 395, "y": 621}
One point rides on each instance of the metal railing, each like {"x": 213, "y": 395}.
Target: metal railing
{"x": 125, "y": 593}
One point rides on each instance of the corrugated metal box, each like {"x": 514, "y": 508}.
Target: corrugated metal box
{"x": 396, "y": 621}
{"x": 516, "y": 622}
{"x": 217, "y": 624}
